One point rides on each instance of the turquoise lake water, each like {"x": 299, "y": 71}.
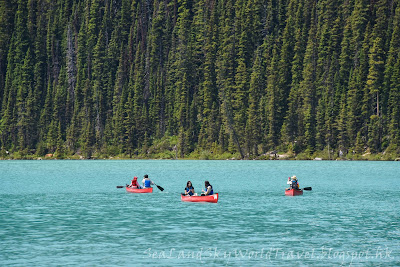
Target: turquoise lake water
{"x": 70, "y": 213}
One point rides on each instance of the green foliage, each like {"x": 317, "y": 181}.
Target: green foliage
{"x": 200, "y": 79}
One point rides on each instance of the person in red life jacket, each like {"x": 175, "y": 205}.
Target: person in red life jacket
{"x": 135, "y": 183}
{"x": 147, "y": 182}
{"x": 208, "y": 189}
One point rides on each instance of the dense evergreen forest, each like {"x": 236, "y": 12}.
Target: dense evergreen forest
{"x": 185, "y": 78}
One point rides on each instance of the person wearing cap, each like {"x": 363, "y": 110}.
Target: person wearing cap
{"x": 295, "y": 184}
{"x": 146, "y": 181}
{"x": 135, "y": 183}
{"x": 208, "y": 189}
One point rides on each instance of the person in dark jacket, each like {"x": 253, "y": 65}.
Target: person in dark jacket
{"x": 295, "y": 184}
{"x": 208, "y": 189}
{"x": 189, "y": 189}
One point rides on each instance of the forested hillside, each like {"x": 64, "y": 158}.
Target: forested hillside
{"x": 240, "y": 77}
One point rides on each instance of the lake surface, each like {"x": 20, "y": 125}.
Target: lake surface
{"x": 71, "y": 213}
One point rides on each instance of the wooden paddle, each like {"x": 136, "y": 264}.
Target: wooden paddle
{"x": 307, "y": 188}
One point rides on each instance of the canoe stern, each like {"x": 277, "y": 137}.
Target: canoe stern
{"x": 293, "y": 192}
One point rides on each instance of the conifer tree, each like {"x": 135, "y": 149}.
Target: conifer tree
{"x": 244, "y": 77}
{"x": 7, "y": 9}
{"x": 256, "y": 88}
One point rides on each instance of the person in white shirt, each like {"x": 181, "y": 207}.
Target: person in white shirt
{"x": 289, "y": 182}
{"x": 147, "y": 182}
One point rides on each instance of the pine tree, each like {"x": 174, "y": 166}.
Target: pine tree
{"x": 15, "y": 73}
{"x": 139, "y": 104}
{"x": 363, "y": 73}
{"x": 208, "y": 91}
{"x": 374, "y": 85}
{"x": 24, "y": 103}
{"x": 7, "y": 9}
{"x": 225, "y": 77}
{"x": 308, "y": 91}
{"x": 394, "y": 128}
{"x": 157, "y": 58}
{"x": 99, "y": 92}
{"x": 119, "y": 99}
{"x": 244, "y": 77}
{"x": 272, "y": 104}
{"x": 183, "y": 93}
{"x": 391, "y": 81}
{"x": 285, "y": 65}
{"x": 256, "y": 88}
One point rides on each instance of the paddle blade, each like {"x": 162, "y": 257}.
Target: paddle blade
{"x": 307, "y": 188}
{"x": 159, "y": 187}
{"x": 120, "y": 186}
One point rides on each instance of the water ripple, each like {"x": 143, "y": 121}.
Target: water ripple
{"x": 90, "y": 222}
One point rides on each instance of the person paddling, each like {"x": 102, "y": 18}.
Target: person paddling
{"x": 208, "y": 190}
{"x": 147, "y": 182}
{"x": 295, "y": 184}
{"x": 189, "y": 189}
{"x": 135, "y": 183}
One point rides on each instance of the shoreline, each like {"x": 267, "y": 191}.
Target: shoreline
{"x": 369, "y": 157}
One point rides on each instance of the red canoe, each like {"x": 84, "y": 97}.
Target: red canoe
{"x": 293, "y": 192}
{"x": 209, "y": 198}
{"x": 137, "y": 190}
